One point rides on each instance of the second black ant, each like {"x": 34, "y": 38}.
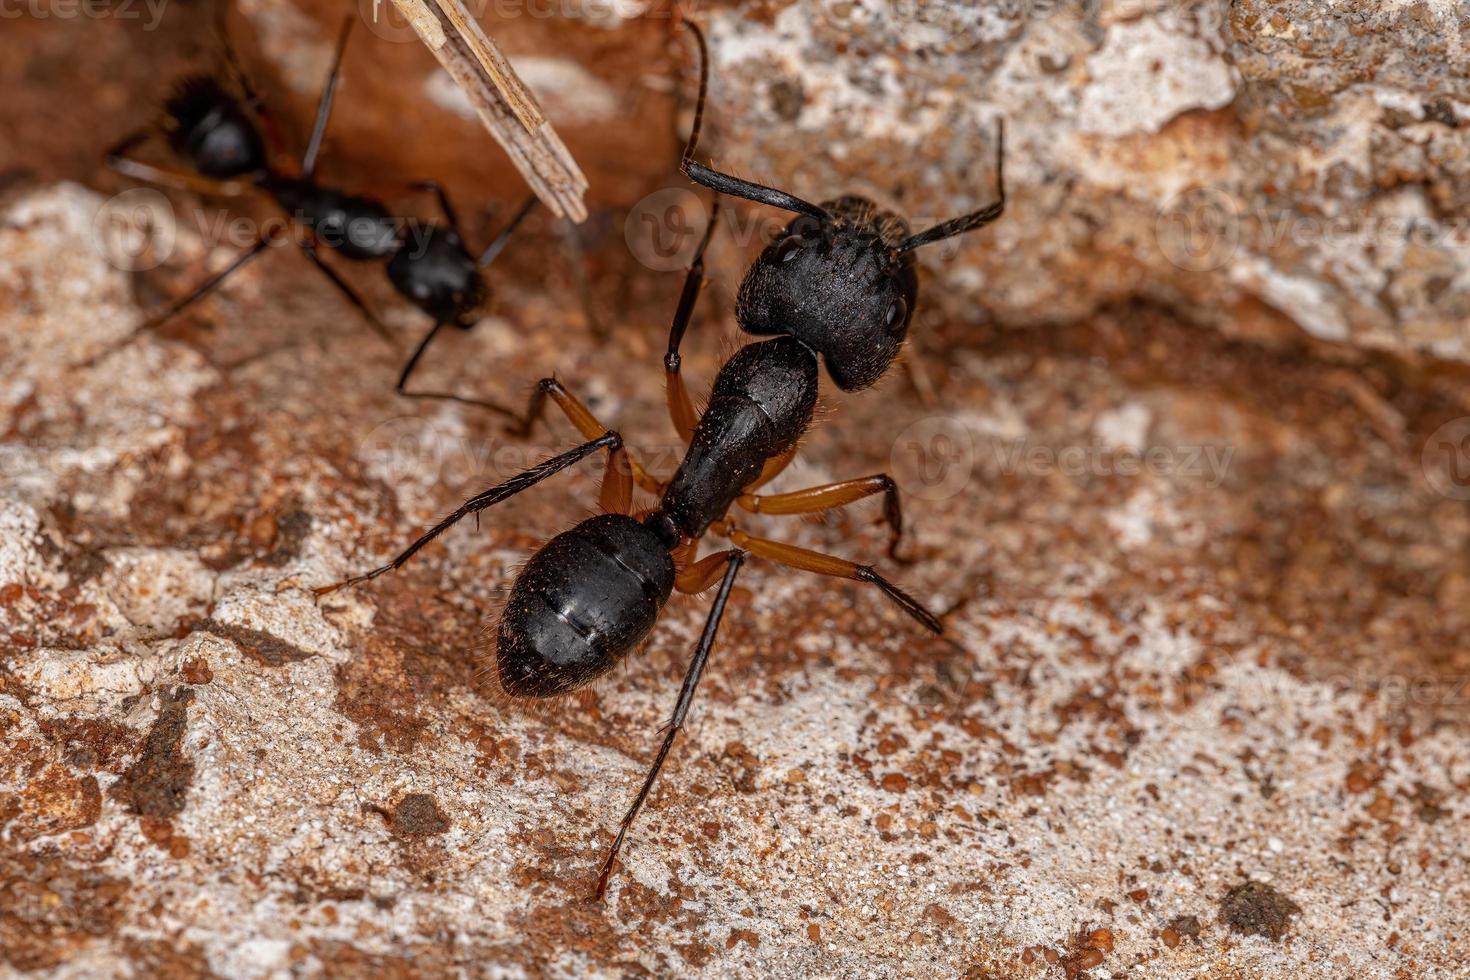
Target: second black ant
{"x": 219, "y": 136}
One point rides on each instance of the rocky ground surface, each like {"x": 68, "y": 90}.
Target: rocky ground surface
{"x": 1205, "y": 564}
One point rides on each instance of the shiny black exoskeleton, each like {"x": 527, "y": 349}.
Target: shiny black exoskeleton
{"x": 556, "y": 634}
{"x": 217, "y": 135}
{"x": 839, "y": 286}
{"x": 208, "y": 127}
{"x": 841, "y": 276}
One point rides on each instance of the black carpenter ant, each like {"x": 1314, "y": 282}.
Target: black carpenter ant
{"x": 591, "y": 595}
{"x": 210, "y": 129}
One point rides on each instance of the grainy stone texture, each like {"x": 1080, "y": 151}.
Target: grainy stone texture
{"x": 1202, "y": 713}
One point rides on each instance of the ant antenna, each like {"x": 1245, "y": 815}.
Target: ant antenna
{"x": 493, "y": 250}
{"x": 725, "y": 183}
{"x": 978, "y": 219}
{"x": 324, "y": 109}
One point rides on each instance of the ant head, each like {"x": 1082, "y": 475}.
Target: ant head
{"x": 434, "y": 272}
{"x": 209, "y": 128}
{"x": 838, "y": 285}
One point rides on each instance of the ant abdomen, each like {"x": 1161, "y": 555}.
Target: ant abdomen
{"x": 841, "y": 287}
{"x": 583, "y": 602}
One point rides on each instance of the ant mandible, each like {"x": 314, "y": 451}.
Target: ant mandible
{"x": 590, "y": 596}
{"x": 217, "y": 136}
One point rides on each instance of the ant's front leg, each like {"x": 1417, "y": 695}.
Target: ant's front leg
{"x": 118, "y": 160}
{"x": 681, "y": 407}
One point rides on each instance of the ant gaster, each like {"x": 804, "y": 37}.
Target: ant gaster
{"x": 218, "y": 137}
{"x": 591, "y": 595}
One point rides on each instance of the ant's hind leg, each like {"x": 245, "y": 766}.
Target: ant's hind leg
{"x": 732, "y": 560}
{"x": 489, "y": 498}
{"x": 816, "y": 500}
{"x": 815, "y": 561}
{"x": 583, "y": 419}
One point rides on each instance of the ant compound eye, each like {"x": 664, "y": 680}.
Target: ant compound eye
{"x": 788, "y": 249}
{"x": 898, "y": 312}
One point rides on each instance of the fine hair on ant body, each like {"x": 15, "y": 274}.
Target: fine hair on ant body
{"x": 591, "y": 595}
{"x": 219, "y": 136}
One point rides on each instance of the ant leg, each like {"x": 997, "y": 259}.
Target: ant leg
{"x": 253, "y": 101}
{"x": 311, "y": 253}
{"x": 572, "y": 237}
{"x": 324, "y": 107}
{"x": 969, "y": 222}
{"x": 815, "y": 561}
{"x": 816, "y": 500}
{"x": 616, "y": 495}
{"x": 681, "y": 408}
{"x": 732, "y": 560}
{"x": 481, "y": 501}
{"x": 493, "y": 250}
{"x": 118, "y": 161}
{"x": 773, "y": 468}
{"x": 442, "y": 196}
{"x": 583, "y": 419}
{"x": 193, "y": 296}
{"x": 413, "y": 360}
{"x": 725, "y": 183}
{"x": 694, "y": 578}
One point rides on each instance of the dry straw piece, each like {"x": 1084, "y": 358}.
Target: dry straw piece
{"x": 504, "y": 104}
